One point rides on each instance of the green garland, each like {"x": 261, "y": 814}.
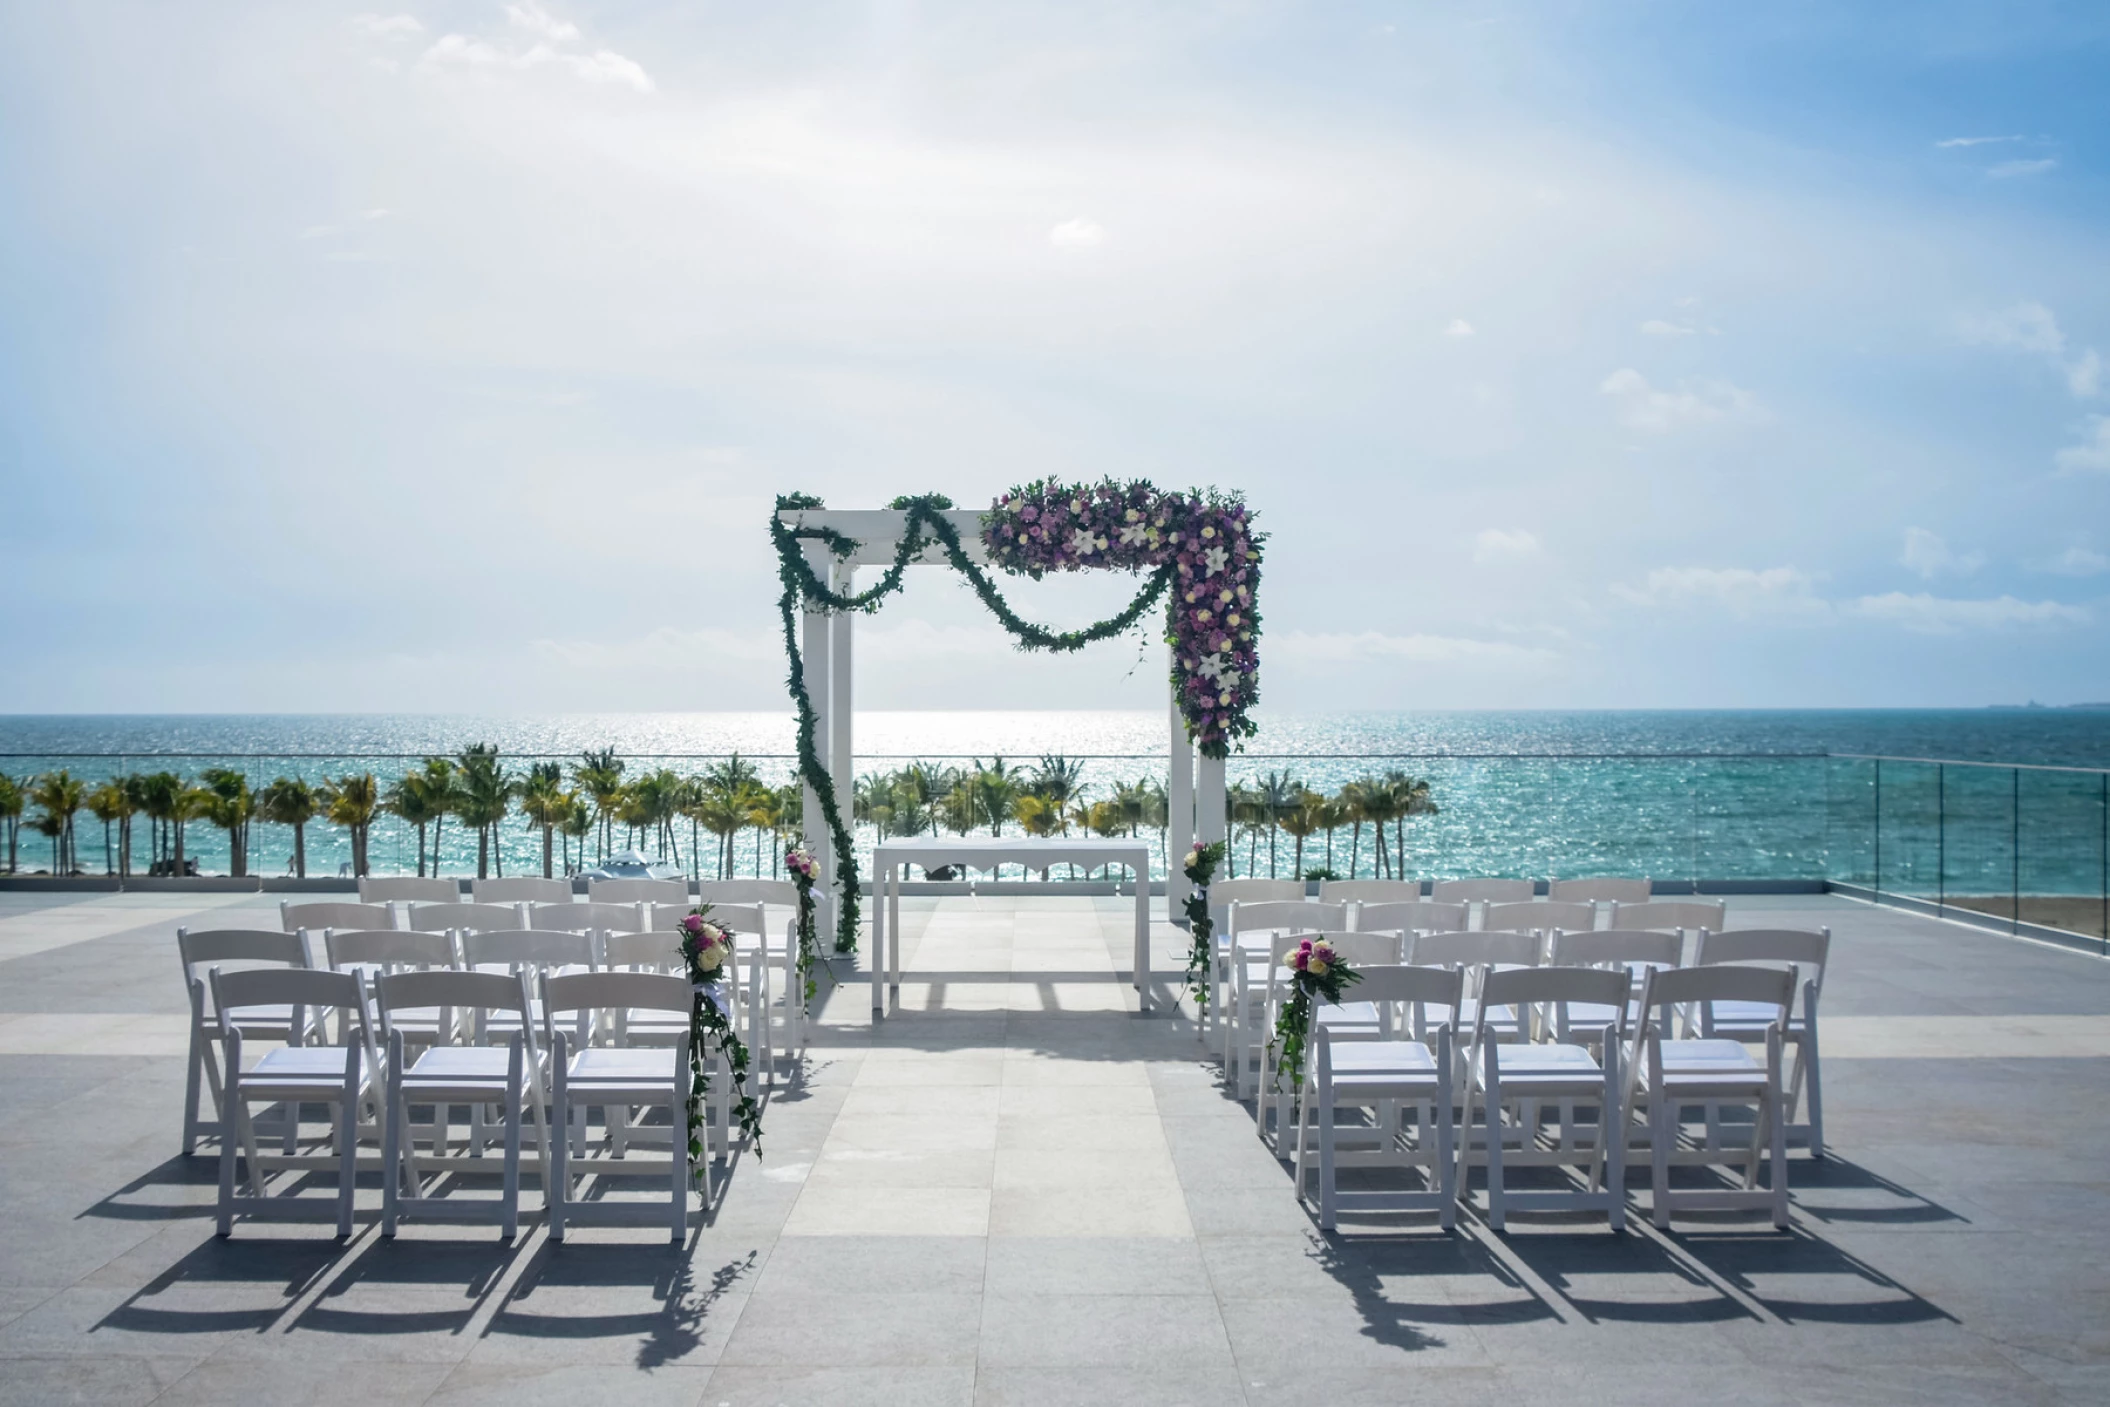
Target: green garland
{"x": 801, "y": 585}
{"x": 1200, "y": 867}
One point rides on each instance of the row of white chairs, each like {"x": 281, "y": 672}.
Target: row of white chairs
{"x": 1443, "y": 891}
{"x": 533, "y": 890}
{"x": 458, "y": 1038}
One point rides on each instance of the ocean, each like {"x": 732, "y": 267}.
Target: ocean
{"x": 1699, "y": 794}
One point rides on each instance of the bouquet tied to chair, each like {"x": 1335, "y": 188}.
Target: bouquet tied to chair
{"x": 706, "y": 949}
{"x": 1199, "y": 866}
{"x": 1317, "y": 973}
{"x": 805, "y": 872}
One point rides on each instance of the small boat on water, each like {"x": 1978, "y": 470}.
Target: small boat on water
{"x": 632, "y": 864}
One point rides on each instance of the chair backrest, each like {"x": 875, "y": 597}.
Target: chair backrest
{"x": 304, "y": 989}
{"x": 1796, "y": 949}
{"x": 1616, "y": 946}
{"x": 1300, "y": 915}
{"x": 527, "y": 947}
{"x": 1475, "y": 949}
{"x": 1543, "y": 915}
{"x": 1671, "y": 913}
{"x": 411, "y": 890}
{"x": 218, "y": 945}
{"x": 1369, "y": 891}
{"x": 1254, "y": 891}
{"x": 748, "y": 891}
{"x": 439, "y": 918}
{"x": 1421, "y": 915}
{"x": 1600, "y": 891}
{"x": 582, "y": 918}
{"x": 1732, "y": 982}
{"x": 1484, "y": 891}
{"x": 1360, "y": 949}
{"x": 651, "y": 950}
{"x": 450, "y": 991}
{"x": 1556, "y": 988}
{"x": 386, "y": 948}
{"x": 638, "y": 891}
{"x": 733, "y": 918}
{"x": 520, "y": 890}
{"x": 1421, "y": 986}
{"x": 585, "y": 991}
{"x": 294, "y": 917}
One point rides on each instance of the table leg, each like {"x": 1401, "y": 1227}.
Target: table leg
{"x": 879, "y": 936}
{"x": 894, "y": 921}
{"x": 1142, "y": 876}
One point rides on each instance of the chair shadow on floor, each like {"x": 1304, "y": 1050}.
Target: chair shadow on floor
{"x": 1363, "y": 1265}
{"x": 666, "y": 1334}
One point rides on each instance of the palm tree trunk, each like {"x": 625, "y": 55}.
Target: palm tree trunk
{"x": 1297, "y": 864}
{"x": 483, "y": 852}
{"x": 437, "y": 821}
{"x": 1355, "y": 848}
{"x": 1399, "y": 845}
{"x": 1384, "y": 864}
{"x": 300, "y": 851}
{"x": 549, "y": 837}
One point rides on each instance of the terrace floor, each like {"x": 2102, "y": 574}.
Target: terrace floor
{"x": 1018, "y": 1192}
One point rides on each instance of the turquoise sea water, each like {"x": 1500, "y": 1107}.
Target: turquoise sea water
{"x": 1673, "y": 795}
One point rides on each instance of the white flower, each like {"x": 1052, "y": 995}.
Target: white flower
{"x": 1081, "y": 543}
{"x": 1132, "y": 534}
{"x": 1212, "y": 667}
{"x": 1132, "y": 515}
{"x": 1217, "y": 559}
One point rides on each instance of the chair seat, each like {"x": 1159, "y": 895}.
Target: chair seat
{"x": 1350, "y": 1018}
{"x": 1362, "y": 1059}
{"x": 1749, "y": 1016}
{"x": 604, "y": 1071}
{"x": 314, "y": 1071}
{"x": 253, "y": 1021}
{"x": 460, "y": 1067}
{"x": 1542, "y": 1065}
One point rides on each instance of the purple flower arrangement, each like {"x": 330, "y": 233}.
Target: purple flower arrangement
{"x": 1207, "y": 540}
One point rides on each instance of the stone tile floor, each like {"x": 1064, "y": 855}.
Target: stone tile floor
{"x": 1016, "y": 1191}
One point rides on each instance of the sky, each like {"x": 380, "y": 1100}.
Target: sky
{"x": 448, "y": 356}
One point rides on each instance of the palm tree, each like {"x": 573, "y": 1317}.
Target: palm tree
{"x": 1331, "y": 816}
{"x": 1277, "y": 794}
{"x": 1405, "y": 796}
{"x": 423, "y": 798}
{"x": 1301, "y": 819}
{"x": 160, "y": 797}
{"x": 483, "y": 798}
{"x": 352, "y": 802}
{"x": 1037, "y": 816}
{"x": 11, "y": 803}
{"x": 599, "y": 776}
{"x": 289, "y": 801}
{"x": 722, "y": 813}
{"x": 872, "y": 802}
{"x": 578, "y": 823}
{"x": 1350, "y": 798}
{"x": 546, "y": 804}
{"x": 994, "y": 788}
{"x": 58, "y": 794}
{"x": 1241, "y": 808}
{"x": 656, "y": 800}
{"x": 231, "y": 807}
{"x": 109, "y": 804}
{"x": 1374, "y": 803}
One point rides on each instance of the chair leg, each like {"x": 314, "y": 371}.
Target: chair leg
{"x": 192, "y": 1092}
{"x": 677, "y": 1171}
{"x": 1445, "y": 1174}
{"x": 1807, "y": 1068}
{"x": 1491, "y": 1121}
{"x": 556, "y": 1177}
{"x": 515, "y": 1111}
{"x": 1662, "y": 1125}
{"x": 226, "y": 1213}
{"x": 1327, "y": 1197}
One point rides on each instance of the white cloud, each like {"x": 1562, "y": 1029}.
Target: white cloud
{"x": 1504, "y": 545}
{"x": 1645, "y": 407}
{"x": 2031, "y": 329}
{"x": 1458, "y": 327}
{"x": 379, "y": 212}
{"x": 2092, "y": 454}
{"x": 1657, "y": 327}
{"x": 2077, "y": 561}
{"x": 1742, "y": 591}
{"x": 1930, "y": 555}
{"x": 2008, "y": 170}
{"x": 1973, "y": 141}
{"x": 1923, "y": 614}
{"x": 534, "y": 18}
{"x": 1339, "y": 647}
{"x": 1077, "y": 234}
{"x": 388, "y": 26}
{"x": 551, "y": 47}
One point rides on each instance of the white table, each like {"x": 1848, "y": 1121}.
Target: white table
{"x": 929, "y": 853}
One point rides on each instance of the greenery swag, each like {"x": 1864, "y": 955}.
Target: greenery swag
{"x": 1197, "y": 549}
{"x": 798, "y": 861}
{"x": 1200, "y": 867}
{"x": 705, "y": 947}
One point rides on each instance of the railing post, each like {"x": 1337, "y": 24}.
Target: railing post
{"x": 1875, "y": 880}
{"x": 1941, "y": 838}
{"x": 2014, "y": 849}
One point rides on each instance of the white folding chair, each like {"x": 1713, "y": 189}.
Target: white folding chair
{"x": 198, "y": 952}
{"x": 1514, "y": 1081}
{"x": 638, "y": 891}
{"x": 1350, "y": 1020}
{"x": 520, "y": 889}
{"x": 1410, "y": 916}
{"x": 780, "y": 948}
{"x": 1538, "y": 916}
{"x": 1600, "y": 891}
{"x": 1805, "y": 954}
{"x": 1671, "y": 915}
{"x": 587, "y": 917}
{"x": 619, "y": 1078}
{"x": 1669, "y": 1076}
{"x": 1226, "y": 892}
{"x": 340, "y": 1075}
{"x": 316, "y": 917}
{"x": 1632, "y": 951}
{"x": 367, "y": 953}
{"x": 1369, "y": 891}
{"x": 1244, "y": 939}
{"x": 1402, "y": 1067}
{"x": 1474, "y": 954}
{"x": 756, "y": 985}
{"x": 465, "y": 918}
{"x": 661, "y": 952}
{"x": 507, "y": 1078}
{"x": 402, "y": 889}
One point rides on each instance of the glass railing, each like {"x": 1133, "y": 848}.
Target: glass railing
{"x": 2026, "y": 845}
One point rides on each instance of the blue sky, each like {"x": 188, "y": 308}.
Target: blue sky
{"x": 447, "y": 356}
